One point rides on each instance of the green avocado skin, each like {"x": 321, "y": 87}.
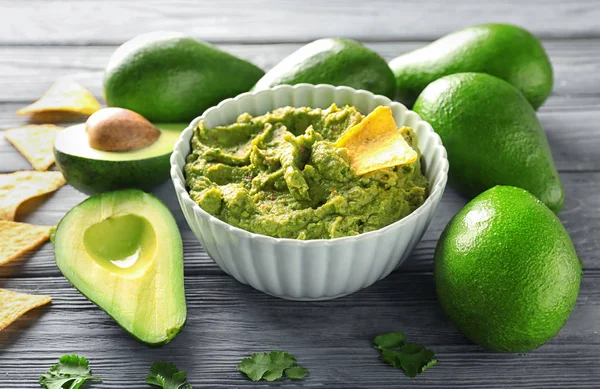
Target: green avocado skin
{"x": 169, "y": 77}
{"x": 502, "y": 50}
{"x": 334, "y": 61}
{"x": 506, "y": 271}
{"x": 96, "y": 176}
{"x": 492, "y": 136}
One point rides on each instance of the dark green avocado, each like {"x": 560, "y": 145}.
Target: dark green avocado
{"x": 502, "y": 50}
{"x": 169, "y": 77}
{"x": 334, "y": 61}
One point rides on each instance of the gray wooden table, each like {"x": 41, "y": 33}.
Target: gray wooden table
{"x": 41, "y": 41}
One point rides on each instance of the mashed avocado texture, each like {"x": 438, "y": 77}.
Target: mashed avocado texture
{"x": 281, "y": 175}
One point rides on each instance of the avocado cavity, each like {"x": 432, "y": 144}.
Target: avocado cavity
{"x": 119, "y": 129}
{"x": 123, "y": 244}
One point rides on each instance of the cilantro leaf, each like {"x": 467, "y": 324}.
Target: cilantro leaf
{"x": 167, "y": 376}
{"x": 271, "y": 366}
{"x": 391, "y": 340}
{"x": 71, "y": 372}
{"x": 296, "y": 372}
{"x": 265, "y": 366}
{"x": 410, "y": 357}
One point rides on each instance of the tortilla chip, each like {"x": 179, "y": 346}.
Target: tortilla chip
{"x": 35, "y": 143}
{"x": 64, "y": 95}
{"x": 17, "y": 187}
{"x": 376, "y": 143}
{"x": 18, "y": 238}
{"x": 13, "y": 305}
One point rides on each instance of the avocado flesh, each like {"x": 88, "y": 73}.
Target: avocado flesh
{"x": 93, "y": 171}
{"x": 123, "y": 251}
{"x": 74, "y": 141}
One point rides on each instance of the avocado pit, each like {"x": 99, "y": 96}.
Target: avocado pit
{"x": 119, "y": 129}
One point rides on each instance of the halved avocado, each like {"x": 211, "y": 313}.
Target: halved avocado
{"x": 123, "y": 251}
{"x": 94, "y": 171}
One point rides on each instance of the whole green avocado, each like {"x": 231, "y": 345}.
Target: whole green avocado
{"x": 506, "y": 271}
{"x": 502, "y": 50}
{"x": 170, "y": 77}
{"x": 492, "y": 135}
{"x": 335, "y": 61}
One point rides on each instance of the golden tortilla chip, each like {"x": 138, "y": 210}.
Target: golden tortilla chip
{"x": 13, "y": 305}
{"x": 17, "y": 187}
{"x": 18, "y": 238}
{"x": 376, "y": 143}
{"x": 35, "y": 142}
{"x": 64, "y": 95}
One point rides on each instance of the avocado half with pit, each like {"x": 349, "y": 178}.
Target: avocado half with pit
{"x": 123, "y": 251}
{"x": 93, "y": 171}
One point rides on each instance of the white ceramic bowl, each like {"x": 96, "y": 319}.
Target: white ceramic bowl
{"x": 313, "y": 269}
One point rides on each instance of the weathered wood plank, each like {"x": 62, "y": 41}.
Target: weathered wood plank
{"x": 107, "y": 22}
{"x": 26, "y": 72}
{"x": 227, "y": 321}
{"x": 581, "y": 218}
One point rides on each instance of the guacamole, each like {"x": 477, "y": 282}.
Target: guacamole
{"x": 281, "y": 175}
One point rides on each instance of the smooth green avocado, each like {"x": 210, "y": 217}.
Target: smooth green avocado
{"x": 334, "y": 61}
{"x": 502, "y": 50}
{"x": 94, "y": 171}
{"x": 170, "y": 77}
{"x": 492, "y": 135}
{"x": 506, "y": 271}
{"x": 123, "y": 251}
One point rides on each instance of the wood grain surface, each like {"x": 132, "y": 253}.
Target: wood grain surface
{"x": 99, "y": 22}
{"x": 41, "y": 41}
